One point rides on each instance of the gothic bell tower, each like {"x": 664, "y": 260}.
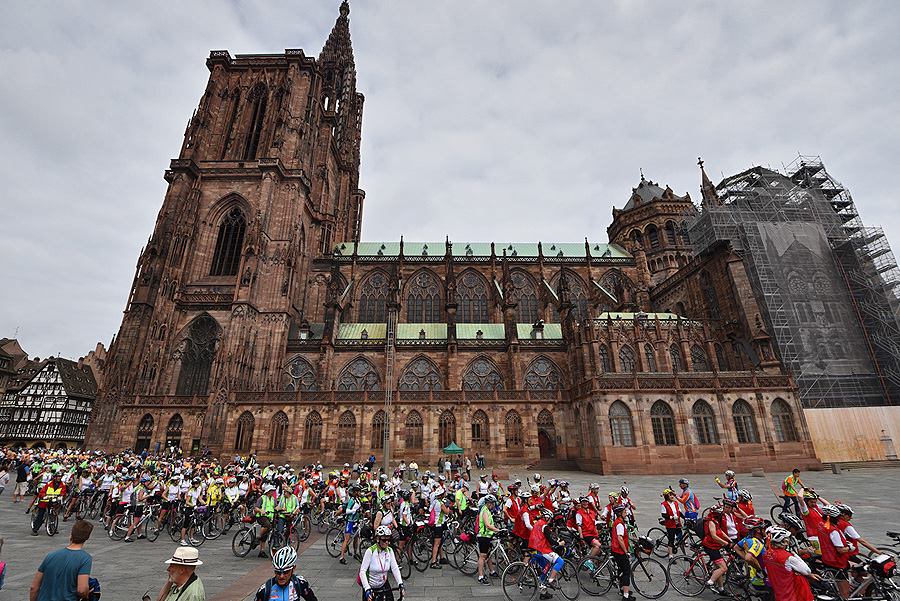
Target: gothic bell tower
{"x": 266, "y": 180}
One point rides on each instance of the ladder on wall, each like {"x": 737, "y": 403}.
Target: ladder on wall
{"x": 389, "y": 343}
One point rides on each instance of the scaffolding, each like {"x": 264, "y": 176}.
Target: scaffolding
{"x": 819, "y": 274}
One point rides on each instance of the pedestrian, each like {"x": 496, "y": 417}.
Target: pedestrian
{"x": 468, "y": 468}
{"x": 447, "y": 467}
{"x": 4, "y": 478}
{"x": 21, "y": 482}
{"x": 183, "y": 584}
{"x": 414, "y": 468}
{"x": 64, "y": 573}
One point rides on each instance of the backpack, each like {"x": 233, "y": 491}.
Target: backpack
{"x": 699, "y": 527}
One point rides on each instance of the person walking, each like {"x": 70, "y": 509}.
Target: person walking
{"x": 64, "y": 573}
{"x": 4, "y": 478}
{"x": 21, "y": 482}
{"x": 183, "y": 583}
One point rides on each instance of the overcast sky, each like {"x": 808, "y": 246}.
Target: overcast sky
{"x": 502, "y": 120}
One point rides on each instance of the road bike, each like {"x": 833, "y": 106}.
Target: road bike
{"x": 649, "y": 577}
{"x": 51, "y": 515}
{"x": 689, "y": 574}
{"x": 684, "y": 538}
{"x": 523, "y": 580}
{"x": 148, "y": 524}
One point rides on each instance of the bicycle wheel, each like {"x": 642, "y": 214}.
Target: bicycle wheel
{"x": 152, "y": 528}
{"x": 775, "y": 513}
{"x": 325, "y": 522}
{"x": 422, "y": 545}
{"x": 195, "y": 536}
{"x": 93, "y": 508}
{"x": 333, "y": 540}
{"x": 174, "y": 523}
{"x": 80, "y": 508}
{"x": 687, "y": 575}
{"x": 242, "y": 542}
{"x": 403, "y": 564}
{"x": 567, "y": 581}
{"x": 52, "y": 523}
{"x": 660, "y": 541}
{"x": 595, "y": 575}
{"x": 119, "y": 528}
{"x": 466, "y": 558}
{"x": 304, "y": 528}
{"x": 519, "y": 581}
{"x": 649, "y": 577}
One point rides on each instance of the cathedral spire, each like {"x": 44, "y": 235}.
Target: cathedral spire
{"x": 338, "y": 48}
{"x": 707, "y": 189}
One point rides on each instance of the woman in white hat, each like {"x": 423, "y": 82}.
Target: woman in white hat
{"x": 183, "y": 583}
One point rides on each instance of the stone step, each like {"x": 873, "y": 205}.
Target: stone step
{"x": 856, "y": 465}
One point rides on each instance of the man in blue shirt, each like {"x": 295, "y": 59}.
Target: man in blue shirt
{"x": 64, "y": 573}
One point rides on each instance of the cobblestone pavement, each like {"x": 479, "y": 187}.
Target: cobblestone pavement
{"x": 127, "y": 570}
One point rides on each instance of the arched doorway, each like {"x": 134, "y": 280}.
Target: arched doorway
{"x": 547, "y": 446}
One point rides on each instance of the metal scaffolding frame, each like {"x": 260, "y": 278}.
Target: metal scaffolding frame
{"x": 805, "y": 195}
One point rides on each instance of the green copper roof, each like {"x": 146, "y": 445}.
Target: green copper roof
{"x": 489, "y": 331}
{"x": 354, "y": 331}
{"x": 412, "y": 331}
{"x": 552, "y": 331}
{"x": 483, "y": 249}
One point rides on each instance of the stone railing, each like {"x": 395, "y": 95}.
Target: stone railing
{"x": 377, "y": 396}
{"x": 685, "y": 381}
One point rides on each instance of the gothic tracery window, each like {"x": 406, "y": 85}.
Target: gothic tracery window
{"x": 705, "y": 423}
{"x": 373, "y": 296}
{"x": 346, "y": 441}
{"x": 446, "y": 429}
{"x": 627, "y": 359}
{"x": 420, "y": 374}
{"x": 379, "y": 426}
{"x": 300, "y": 376}
{"x": 481, "y": 435}
{"x": 414, "y": 430}
{"x": 229, "y": 243}
{"x": 144, "y": 433}
{"x": 676, "y": 358}
{"x": 650, "y": 357}
{"x": 620, "y": 425}
{"x": 472, "y": 298}
{"x": 514, "y": 440}
{"x": 525, "y": 295}
{"x": 173, "y": 431}
{"x": 663, "y": 422}
{"x": 312, "y": 431}
{"x": 258, "y": 99}
{"x": 605, "y": 365}
{"x": 198, "y": 351}
{"x": 542, "y": 374}
{"x": 359, "y": 374}
{"x": 423, "y": 298}
{"x": 722, "y": 358}
{"x": 699, "y": 360}
{"x": 577, "y": 293}
{"x": 481, "y": 374}
{"x": 783, "y": 419}
{"x": 278, "y": 433}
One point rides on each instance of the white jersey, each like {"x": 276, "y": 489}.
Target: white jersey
{"x": 107, "y": 481}
{"x": 173, "y": 491}
{"x": 483, "y": 488}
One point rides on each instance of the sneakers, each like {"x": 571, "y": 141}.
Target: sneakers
{"x": 343, "y": 561}
{"x": 484, "y": 580}
{"x": 183, "y": 543}
{"x": 495, "y": 574}
{"x": 128, "y": 539}
{"x": 436, "y": 566}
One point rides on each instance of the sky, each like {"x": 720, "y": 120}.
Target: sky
{"x": 507, "y": 120}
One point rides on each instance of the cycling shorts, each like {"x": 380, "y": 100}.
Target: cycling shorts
{"x": 350, "y": 528}
{"x": 713, "y": 554}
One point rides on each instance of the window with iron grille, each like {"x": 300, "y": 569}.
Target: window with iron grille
{"x": 229, "y": 243}
{"x": 663, "y": 421}
{"x": 783, "y": 418}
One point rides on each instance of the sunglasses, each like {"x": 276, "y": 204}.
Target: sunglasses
{"x": 384, "y": 540}
{"x": 283, "y": 572}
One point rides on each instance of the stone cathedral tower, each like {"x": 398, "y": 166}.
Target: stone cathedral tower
{"x": 267, "y": 179}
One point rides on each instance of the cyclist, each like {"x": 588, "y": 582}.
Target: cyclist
{"x": 849, "y": 531}
{"x": 792, "y": 487}
{"x": 836, "y": 549}
{"x": 191, "y": 501}
{"x": 54, "y": 489}
{"x": 688, "y": 499}
{"x": 714, "y": 538}
{"x": 285, "y": 585}
{"x": 619, "y": 547}
{"x": 671, "y": 518}
{"x": 287, "y": 508}
{"x": 730, "y": 485}
{"x": 810, "y": 512}
{"x": 630, "y": 507}
{"x": 751, "y": 549}
{"x": 138, "y": 497}
{"x": 801, "y": 544}
{"x": 172, "y": 492}
{"x": 784, "y": 570}
{"x": 594, "y": 497}
{"x": 378, "y": 561}
{"x": 586, "y": 523}
{"x": 439, "y": 512}
{"x": 486, "y": 530}
{"x": 744, "y": 504}
{"x": 351, "y": 511}
{"x": 542, "y": 541}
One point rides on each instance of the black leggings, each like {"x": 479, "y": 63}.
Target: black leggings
{"x": 382, "y": 593}
{"x": 624, "y": 566}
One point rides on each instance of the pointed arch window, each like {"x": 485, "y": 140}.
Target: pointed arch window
{"x": 744, "y": 422}
{"x": 709, "y": 295}
{"x": 525, "y": 295}
{"x": 637, "y": 238}
{"x": 346, "y": 441}
{"x": 312, "y": 432}
{"x": 197, "y": 353}
{"x": 379, "y": 426}
{"x": 373, "y": 296}
{"x": 578, "y": 294}
{"x": 721, "y": 358}
{"x": 229, "y": 243}
{"x": 662, "y": 420}
{"x": 705, "y": 423}
{"x": 627, "y": 359}
{"x": 699, "y": 360}
{"x": 414, "y": 429}
{"x": 514, "y": 440}
{"x": 783, "y": 420}
{"x": 300, "y": 376}
{"x": 620, "y": 425}
{"x": 482, "y": 374}
{"x": 258, "y": 100}
{"x": 472, "y": 298}
{"x": 650, "y": 357}
{"x": 144, "y": 434}
{"x": 546, "y": 424}
{"x": 671, "y": 234}
{"x": 359, "y": 375}
{"x": 542, "y": 374}
{"x": 675, "y": 356}
{"x": 278, "y": 433}
{"x": 243, "y": 439}
{"x": 446, "y": 429}
{"x": 481, "y": 434}
{"x": 420, "y": 374}
{"x": 605, "y": 365}
{"x": 423, "y": 299}
{"x": 173, "y": 431}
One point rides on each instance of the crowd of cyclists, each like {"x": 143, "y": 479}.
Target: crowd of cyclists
{"x": 536, "y": 538}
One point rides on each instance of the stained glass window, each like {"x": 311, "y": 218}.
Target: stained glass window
{"x": 379, "y": 423}
{"x": 627, "y": 359}
{"x": 423, "y": 298}
{"x": 300, "y": 375}
{"x": 359, "y": 374}
{"x": 420, "y": 374}
{"x": 650, "y": 357}
{"x": 346, "y": 432}
{"x": 278, "y": 434}
{"x": 472, "y": 298}
{"x": 243, "y": 440}
{"x": 525, "y": 295}
{"x": 514, "y": 430}
{"x": 198, "y": 351}
{"x": 446, "y": 429}
{"x": 481, "y": 374}
{"x": 699, "y": 360}
{"x": 620, "y": 425}
{"x": 542, "y": 374}
{"x": 604, "y": 358}
{"x": 373, "y": 294}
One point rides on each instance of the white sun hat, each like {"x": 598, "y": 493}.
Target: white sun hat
{"x": 186, "y": 556}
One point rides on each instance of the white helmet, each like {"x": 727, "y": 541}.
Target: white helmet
{"x": 535, "y": 489}
{"x": 284, "y": 558}
{"x": 777, "y": 534}
{"x": 537, "y": 477}
{"x": 383, "y": 531}
{"x": 729, "y": 473}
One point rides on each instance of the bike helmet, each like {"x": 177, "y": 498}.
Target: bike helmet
{"x": 810, "y": 495}
{"x": 537, "y": 477}
{"x": 284, "y": 558}
{"x": 613, "y": 495}
{"x": 535, "y": 489}
{"x": 547, "y": 514}
{"x": 844, "y": 509}
{"x": 753, "y": 522}
{"x": 729, "y": 503}
{"x": 624, "y": 491}
{"x": 490, "y": 499}
{"x": 777, "y": 534}
{"x": 387, "y": 487}
{"x": 483, "y": 476}
{"x": 716, "y": 509}
{"x": 729, "y": 473}
{"x": 383, "y": 477}
{"x": 414, "y": 484}
{"x": 830, "y": 511}
{"x": 685, "y": 481}
{"x": 791, "y": 521}
{"x": 196, "y": 480}
{"x": 667, "y": 491}
{"x": 512, "y": 488}
{"x": 564, "y": 484}
{"x": 618, "y": 508}
{"x": 595, "y": 486}
{"x": 744, "y": 495}
{"x": 383, "y": 531}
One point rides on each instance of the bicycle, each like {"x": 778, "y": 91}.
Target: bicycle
{"x": 51, "y": 515}
{"x": 685, "y": 537}
{"x": 689, "y": 574}
{"x": 284, "y": 534}
{"x": 875, "y": 584}
{"x": 892, "y": 548}
{"x": 778, "y": 508}
{"x": 247, "y": 538}
{"x": 149, "y": 522}
{"x": 523, "y": 580}
{"x": 649, "y": 578}
{"x": 467, "y": 554}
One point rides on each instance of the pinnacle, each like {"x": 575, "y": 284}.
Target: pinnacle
{"x": 338, "y": 47}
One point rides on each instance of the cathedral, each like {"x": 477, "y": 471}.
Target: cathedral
{"x": 260, "y": 322}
